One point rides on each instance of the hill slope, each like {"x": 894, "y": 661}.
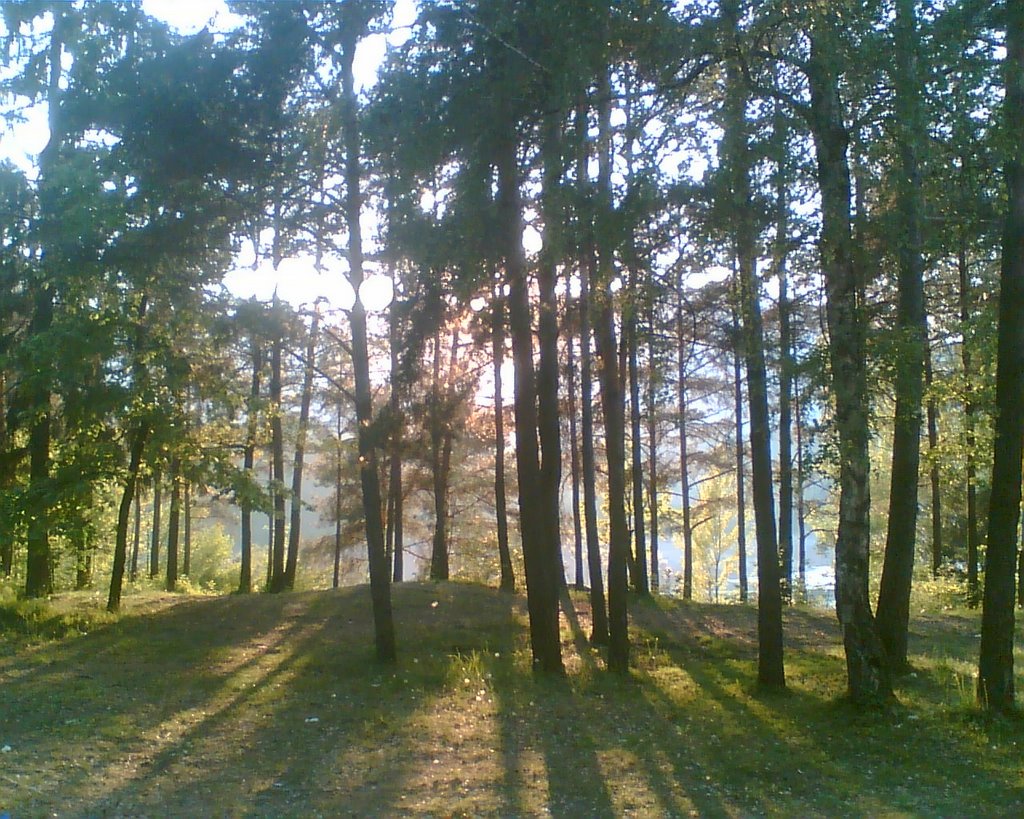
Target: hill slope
{"x": 271, "y": 706}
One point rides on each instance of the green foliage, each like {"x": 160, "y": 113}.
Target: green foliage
{"x": 214, "y": 567}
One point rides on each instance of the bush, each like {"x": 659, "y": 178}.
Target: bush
{"x": 213, "y": 566}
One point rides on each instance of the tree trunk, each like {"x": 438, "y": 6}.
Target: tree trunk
{"x": 612, "y": 402}
{"x": 438, "y": 420}
{"x": 867, "y": 669}
{"x": 893, "y": 612}
{"x": 276, "y": 581}
{"x": 508, "y": 577}
{"x": 131, "y": 486}
{"x": 441, "y": 446}
{"x": 337, "y": 497}
{"x": 970, "y": 443}
{"x": 995, "y": 665}
{"x": 935, "y": 479}
{"x": 394, "y": 535}
{"x": 271, "y": 517}
{"x": 641, "y": 582}
{"x": 652, "y": 463}
{"x": 137, "y": 534}
{"x": 291, "y": 566}
{"x": 248, "y": 461}
{"x": 154, "y": 542}
{"x": 741, "y": 484}
{"x": 684, "y": 466}
{"x": 173, "y": 524}
{"x": 187, "y": 512}
{"x": 599, "y": 631}
{"x": 574, "y": 459}
{"x": 38, "y": 573}
{"x": 801, "y": 515}
{"x": 541, "y": 577}
{"x": 780, "y": 252}
{"x": 770, "y": 667}
{"x": 6, "y": 482}
{"x": 38, "y": 577}
{"x": 380, "y": 586}
{"x": 549, "y": 426}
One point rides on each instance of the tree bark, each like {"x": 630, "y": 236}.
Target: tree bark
{"x": 186, "y": 502}
{"x": 770, "y": 667}
{"x": 38, "y": 572}
{"x": 780, "y": 253}
{"x": 173, "y": 524}
{"x": 868, "y": 675}
{"x": 641, "y": 581}
{"x": 277, "y": 577}
{"x": 38, "y": 577}
{"x": 995, "y": 664}
{"x": 7, "y": 475}
{"x": 801, "y": 515}
{"x": 684, "y": 466}
{"x": 306, "y": 401}
{"x": 380, "y": 586}
{"x": 137, "y": 534}
{"x": 893, "y": 612}
{"x": 541, "y": 579}
{"x": 394, "y": 535}
{"x": 612, "y": 402}
{"x": 337, "y": 497}
{"x": 548, "y": 423}
{"x": 508, "y": 577}
{"x": 741, "y": 483}
{"x": 441, "y": 446}
{"x": 934, "y": 478}
{"x": 131, "y": 485}
{"x": 652, "y": 462}
{"x": 599, "y": 611}
{"x": 154, "y": 543}
{"x": 248, "y": 461}
{"x": 970, "y": 443}
{"x": 574, "y": 458}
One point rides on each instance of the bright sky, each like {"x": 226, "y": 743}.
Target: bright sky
{"x": 296, "y": 279}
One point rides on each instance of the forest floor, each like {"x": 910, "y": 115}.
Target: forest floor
{"x": 272, "y": 706}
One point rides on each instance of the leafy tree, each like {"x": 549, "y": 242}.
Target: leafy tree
{"x": 995, "y": 665}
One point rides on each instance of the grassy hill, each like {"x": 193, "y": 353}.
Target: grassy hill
{"x": 271, "y": 706}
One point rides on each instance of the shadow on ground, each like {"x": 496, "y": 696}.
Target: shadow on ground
{"x": 273, "y": 706}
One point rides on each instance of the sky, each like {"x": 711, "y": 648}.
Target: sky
{"x": 296, "y": 280}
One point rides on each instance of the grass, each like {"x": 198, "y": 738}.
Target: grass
{"x": 272, "y": 706}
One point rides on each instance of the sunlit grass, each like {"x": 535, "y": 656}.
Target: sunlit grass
{"x": 273, "y": 706}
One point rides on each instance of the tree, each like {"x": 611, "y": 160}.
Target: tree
{"x": 309, "y": 369}
{"x": 599, "y": 612}
{"x": 893, "y": 612}
{"x": 248, "y": 315}
{"x": 867, "y": 667}
{"x": 508, "y": 578}
{"x": 355, "y": 19}
{"x": 277, "y": 580}
{"x": 770, "y": 669}
{"x": 682, "y": 400}
{"x": 995, "y": 664}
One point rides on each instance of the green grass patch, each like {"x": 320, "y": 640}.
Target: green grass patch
{"x": 272, "y": 705}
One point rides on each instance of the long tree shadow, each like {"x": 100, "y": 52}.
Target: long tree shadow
{"x": 810, "y": 746}
{"x": 274, "y": 707}
{"x": 320, "y": 727}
